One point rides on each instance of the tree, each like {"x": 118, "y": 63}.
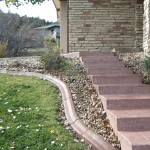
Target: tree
{"x": 18, "y": 32}
{"x": 9, "y": 32}
{"x": 18, "y": 3}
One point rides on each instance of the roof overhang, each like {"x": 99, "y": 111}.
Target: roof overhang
{"x": 57, "y": 6}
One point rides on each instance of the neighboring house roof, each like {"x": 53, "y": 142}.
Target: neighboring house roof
{"x": 56, "y": 24}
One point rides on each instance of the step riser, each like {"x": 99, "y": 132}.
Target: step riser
{"x": 98, "y": 58}
{"x": 102, "y": 62}
{"x": 128, "y": 104}
{"x": 141, "y": 147}
{"x": 112, "y": 71}
{"x": 83, "y": 54}
{"x": 129, "y": 124}
{"x": 125, "y": 104}
{"x": 136, "y": 124}
{"x": 122, "y": 90}
{"x": 116, "y": 80}
{"x": 100, "y": 65}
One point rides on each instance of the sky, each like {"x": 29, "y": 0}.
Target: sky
{"x": 45, "y": 11}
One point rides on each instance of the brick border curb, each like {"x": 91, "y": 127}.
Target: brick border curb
{"x": 77, "y": 124}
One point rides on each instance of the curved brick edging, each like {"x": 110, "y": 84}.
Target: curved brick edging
{"x": 77, "y": 124}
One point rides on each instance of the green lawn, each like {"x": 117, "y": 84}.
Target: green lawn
{"x": 28, "y": 116}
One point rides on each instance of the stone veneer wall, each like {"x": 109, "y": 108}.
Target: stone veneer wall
{"x": 102, "y": 24}
{"x": 146, "y": 22}
{"x": 139, "y": 10}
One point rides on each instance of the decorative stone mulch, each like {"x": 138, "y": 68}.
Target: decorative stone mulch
{"x": 30, "y": 64}
{"x": 136, "y": 62}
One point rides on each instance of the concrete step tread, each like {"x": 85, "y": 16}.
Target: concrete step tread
{"x": 110, "y": 67}
{"x": 103, "y": 61}
{"x": 127, "y": 96}
{"x": 119, "y": 68}
{"x": 138, "y": 113}
{"x": 117, "y": 75}
{"x": 122, "y": 85}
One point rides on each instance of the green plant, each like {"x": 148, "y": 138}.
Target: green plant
{"x": 51, "y": 56}
{"x": 147, "y": 63}
{"x": 3, "y": 48}
{"x": 147, "y": 66}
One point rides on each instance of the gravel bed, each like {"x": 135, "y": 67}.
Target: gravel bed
{"x": 135, "y": 61}
{"x": 87, "y": 104}
{"x": 30, "y": 64}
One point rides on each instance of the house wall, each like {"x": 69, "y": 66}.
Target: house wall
{"x": 139, "y": 10}
{"x": 63, "y": 24}
{"x": 56, "y": 35}
{"x": 101, "y": 24}
{"x": 146, "y": 26}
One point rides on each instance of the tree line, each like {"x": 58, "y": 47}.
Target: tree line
{"x": 17, "y": 33}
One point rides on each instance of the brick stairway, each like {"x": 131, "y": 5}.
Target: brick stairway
{"x": 125, "y": 99}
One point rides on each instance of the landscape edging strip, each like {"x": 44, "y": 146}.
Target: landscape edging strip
{"x": 77, "y": 124}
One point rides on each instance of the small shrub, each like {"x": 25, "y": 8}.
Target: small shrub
{"x": 147, "y": 63}
{"x": 51, "y": 56}
{"x": 3, "y": 48}
{"x": 147, "y": 66}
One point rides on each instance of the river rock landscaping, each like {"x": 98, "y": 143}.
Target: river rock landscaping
{"x": 136, "y": 62}
{"x": 86, "y": 102}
